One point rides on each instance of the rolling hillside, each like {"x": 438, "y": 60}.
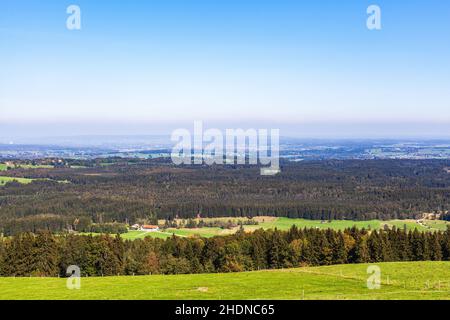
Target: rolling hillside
{"x": 405, "y": 280}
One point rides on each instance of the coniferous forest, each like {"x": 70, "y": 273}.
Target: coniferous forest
{"x": 39, "y": 220}
{"x": 76, "y": 194}
{"x": 46, "y": 254}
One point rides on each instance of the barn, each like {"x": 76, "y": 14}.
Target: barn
{"x": 149, "y": 228}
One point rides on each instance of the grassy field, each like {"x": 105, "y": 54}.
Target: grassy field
{"x": 131, "y": 235}
{"x": 135, "y": 234}
{"x": 34, "y": 166}
{"x": 286, "y": 223}
{"x": 4, "y": 180}
{"x": 4, "y": 167}
{"x": 404, "y": 280}
{"x": 410, "y": 225}
{"x": 204, "y": 232}
{"x": 437, "y": 224}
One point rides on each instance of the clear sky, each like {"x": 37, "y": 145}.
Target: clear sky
{"x": 138, "y": 66}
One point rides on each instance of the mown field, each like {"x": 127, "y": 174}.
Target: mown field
{"x": 403, "y": 280}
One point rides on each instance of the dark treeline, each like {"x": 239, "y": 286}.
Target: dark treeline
{"x": 45, "y": 254}
{"x": 132, "y": 191}
{"x": 192, "y": 224}
{"x": 107, "y": 228}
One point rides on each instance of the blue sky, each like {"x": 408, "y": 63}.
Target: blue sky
{"x": 141, "y": 66}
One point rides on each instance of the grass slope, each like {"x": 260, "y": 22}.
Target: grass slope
{"x": 4, "y": 180}
{"x": 403, "y": 280}
{"x": 132, "y": 235}
{"x": 4, "y": 167}
{"x": 287, "y": 223}
{"x": 437, "y": 224}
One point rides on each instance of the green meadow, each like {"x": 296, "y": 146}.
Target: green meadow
{"x": 437, "y": 224}
{"x": 204, "y": 232}
{"x": 4, "y": 167}
{"x": 34, "y": 166}
{"x": 402, "y": 280}
{"x": 4, "y": 180}
{"x": 132, "y": 235}
{"x": 287, "y": 223}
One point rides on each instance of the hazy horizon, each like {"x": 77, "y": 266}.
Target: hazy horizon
{"x": 312, "y": 70}
{"x": 326, "y": 131}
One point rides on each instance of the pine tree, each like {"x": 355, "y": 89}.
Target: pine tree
{"x": 435, "y": 247}
{"x": 340, "y": 252}
{"x": 376, "y": 247}
{"x": 326, "y": 251}
{"x": 361, "y": 252}
{"x": 417, "y": 245}
{"x": 446, "y": 245}
{"x": 45, "y": 251}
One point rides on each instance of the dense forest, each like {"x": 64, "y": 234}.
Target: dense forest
{"x": 130, "y": 190}
{"x": 46, "y": 254}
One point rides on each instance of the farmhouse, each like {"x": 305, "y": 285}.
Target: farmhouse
{"x": 149, "y": 228}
